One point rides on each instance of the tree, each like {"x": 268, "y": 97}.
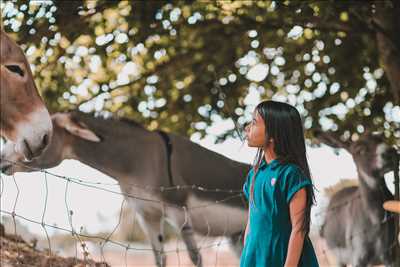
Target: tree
{"x": 180, "y": 65}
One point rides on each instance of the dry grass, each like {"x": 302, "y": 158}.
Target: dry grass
{"x": 17, "y": 252}
{"x": 14, "y": 251}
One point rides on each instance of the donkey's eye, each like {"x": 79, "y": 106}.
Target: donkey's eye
{"x": 15, "y": 69}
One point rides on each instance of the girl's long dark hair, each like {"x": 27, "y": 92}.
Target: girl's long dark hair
{"x": 283, "y": 125}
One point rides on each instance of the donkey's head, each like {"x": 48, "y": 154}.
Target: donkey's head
{"x": 371, "y": 154}
{"x": 59, "y": 148}
{"x": 24, "y": 118}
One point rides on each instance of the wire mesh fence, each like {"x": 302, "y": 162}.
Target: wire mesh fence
{"x": 81, "y": 238}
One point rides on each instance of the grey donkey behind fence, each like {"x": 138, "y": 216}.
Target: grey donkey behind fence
{"x": 357, "y": 228}
{"x": 133, "y": 155}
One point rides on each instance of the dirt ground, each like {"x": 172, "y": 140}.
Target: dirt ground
{"x": 212, "y": 255}
{"x": 16, "y": 252}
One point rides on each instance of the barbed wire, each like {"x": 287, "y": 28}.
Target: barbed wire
{"x": 129, "y": 247}
{"x": 81, "y": 237}
{"x": 146, "y": 187}
{"x": 104, "y": 240}
{"x": 75, "y": 181}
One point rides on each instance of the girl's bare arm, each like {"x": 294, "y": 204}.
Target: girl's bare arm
{"x": 297, "y": 206}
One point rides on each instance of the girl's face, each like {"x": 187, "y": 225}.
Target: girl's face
{"x": 255, "y": 131}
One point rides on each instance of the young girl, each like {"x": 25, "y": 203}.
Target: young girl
{"x": 279, "y": 190}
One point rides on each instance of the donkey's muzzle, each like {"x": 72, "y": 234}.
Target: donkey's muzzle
{"x": 5, "y": 167}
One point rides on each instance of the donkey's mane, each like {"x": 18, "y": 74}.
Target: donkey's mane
{"x": 103, "y": 125}
{"x": 128, "y": 121}
{"x": 341, "y": 184}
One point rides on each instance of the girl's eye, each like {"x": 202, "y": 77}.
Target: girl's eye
{"x": 245, "y": 126}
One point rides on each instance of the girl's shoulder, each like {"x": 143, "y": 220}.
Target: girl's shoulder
{"x": 289, "y": 169}
{"x": 291, "y": 180}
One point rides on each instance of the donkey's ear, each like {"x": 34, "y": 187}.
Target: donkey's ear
{"x": 64, "y": 120}
{"x": 329, "y": 138}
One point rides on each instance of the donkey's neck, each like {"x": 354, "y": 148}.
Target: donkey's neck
{"x": 369, "y": 182}
{"x": 373, "y": 194}
{"x": 122, "y": 152}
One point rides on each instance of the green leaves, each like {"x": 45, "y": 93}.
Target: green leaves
{"x": 130, "y": 57}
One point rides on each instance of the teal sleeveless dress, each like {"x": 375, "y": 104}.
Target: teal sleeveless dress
{"x": 270, "y": 228}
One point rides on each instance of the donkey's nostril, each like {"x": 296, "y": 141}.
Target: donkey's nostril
{"x": 45, "y": 140}
{"x": 27, "y": 151}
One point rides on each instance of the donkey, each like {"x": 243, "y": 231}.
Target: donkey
{"x": 133, "y": 155}
{"x": 357, "y": 229}
{"x": 24, "y": 118}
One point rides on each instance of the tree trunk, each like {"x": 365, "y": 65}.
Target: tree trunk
{"x": 386, "y": 21}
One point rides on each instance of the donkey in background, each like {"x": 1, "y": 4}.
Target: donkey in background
{"x": 24, "y": 119}
{"x": 357, "y": 229}
{"x": 133, "y": 155}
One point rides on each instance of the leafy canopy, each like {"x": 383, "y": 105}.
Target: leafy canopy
{"x": 182, "y": 65}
